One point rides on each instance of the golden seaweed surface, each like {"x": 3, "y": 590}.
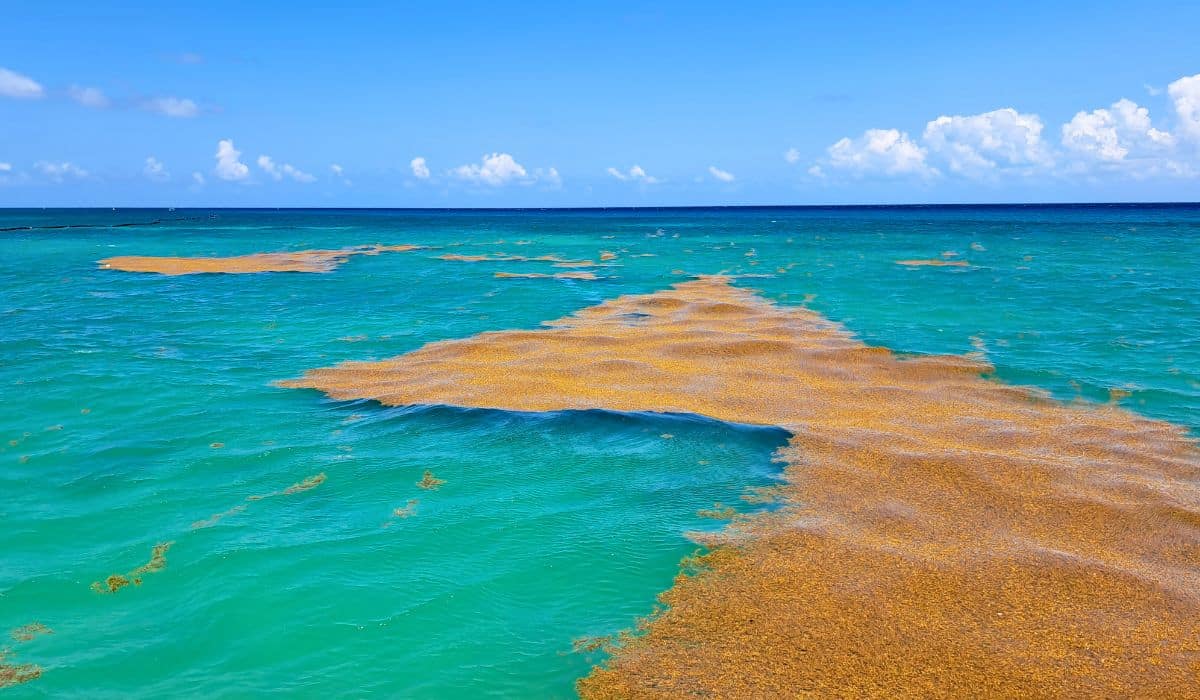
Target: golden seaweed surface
{"x": 294, "y": 261}
{"x": 938, "y": 533}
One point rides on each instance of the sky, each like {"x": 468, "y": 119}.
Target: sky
{"x": 457, "y": 104}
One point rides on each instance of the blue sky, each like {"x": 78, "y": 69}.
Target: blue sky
{"x": 548, "y": 104}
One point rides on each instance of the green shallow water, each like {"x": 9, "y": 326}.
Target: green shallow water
{"x": 549, "y": 527}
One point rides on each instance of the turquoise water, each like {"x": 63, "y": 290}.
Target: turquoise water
{"x": 135, "y": 405}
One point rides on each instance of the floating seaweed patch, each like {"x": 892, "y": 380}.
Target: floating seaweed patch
{"x": 930, "y": 516}
{"x": 14, "y": 673}
{"x": 407, "y": 510}
{"x": 429, "y": 481}
{"x": 26, "y": 633}
{"x": 217, "y": 517}
{"x": 719, "y": 511}
{"x": 307, "y": 484}
{"x": 315, "y": 261}
{"x": 935, "y": 262}
{"x": 115, "y": 582}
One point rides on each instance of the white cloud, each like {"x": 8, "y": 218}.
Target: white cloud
{"x": 228, "y": 165}
{"x": 792, "y": 156}
{"x": 5, "y": 167}
{"x": 266, "y": 164}
{"x": 419, "y": 169}
{"x": 198, "y": 178}
{"x": 1113, "y": 134}
{"x": 297, "y": 174}
{"x": 59, "y": 172}
{"x": 977, "y": 145}
{"x": 1185, "y": 94}
{"x": 880, "y": 152}
{"x": 722, "y": 175}
{"x": 495, "y": 170}
{"x": 88, "y": 96}
{"x": 634, "y": 174}
{"x": 549, "y": 177}
{"x": 155, "y": 170}
{"x": 340, "y": 173}
{"x": 172, "y": 106}
{"x": 278, "y": 172}
{"x": 13, "y": 84}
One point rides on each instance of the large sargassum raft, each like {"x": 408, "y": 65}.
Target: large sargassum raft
{"x": 939, "y": 533}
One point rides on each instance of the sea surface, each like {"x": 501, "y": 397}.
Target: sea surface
{"x": 138, "y": 409}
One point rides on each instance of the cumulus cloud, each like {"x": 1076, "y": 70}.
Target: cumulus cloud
{"x": 1113, "y": 134}
{"x": 495, "y": 169}
{"x": 88, "y": 96}
{"x": 792, "y": 156}
{"x": 22, "y": 87}
{"x": 1185, "y": 94}
{"x": 879, "y": 152}
{"x": 178, "y": 107}
{"x": 419, "y": 169}
{"x": 278, "y": 172}
{"x": 722, "y": 175}
{"x": 1120, "y": 139}
{"x": 229, "y": 167}
{"x": 634, "y": 174}
{"x": 155, "y": 170}
{"x": 979, "y": 144}
{"x": 59, "y": 172}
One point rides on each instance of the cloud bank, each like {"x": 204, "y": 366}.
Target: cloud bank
{"x": 1120, "y": 139}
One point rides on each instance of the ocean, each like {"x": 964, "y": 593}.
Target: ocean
{"x": 308, "y": 551}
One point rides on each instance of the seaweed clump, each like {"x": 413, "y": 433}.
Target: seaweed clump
{"x": 15, "y": 674}
{"x": 115, "y": 582}
{"x": 430, "y": 482}
{"x": 719, "y": 511}
{"x": 307, "y": 484}
{"x": 26, "y": 633}
{"x": 311, "y": 482}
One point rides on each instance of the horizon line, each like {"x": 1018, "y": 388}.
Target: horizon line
{"x": 931, "y": 205}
